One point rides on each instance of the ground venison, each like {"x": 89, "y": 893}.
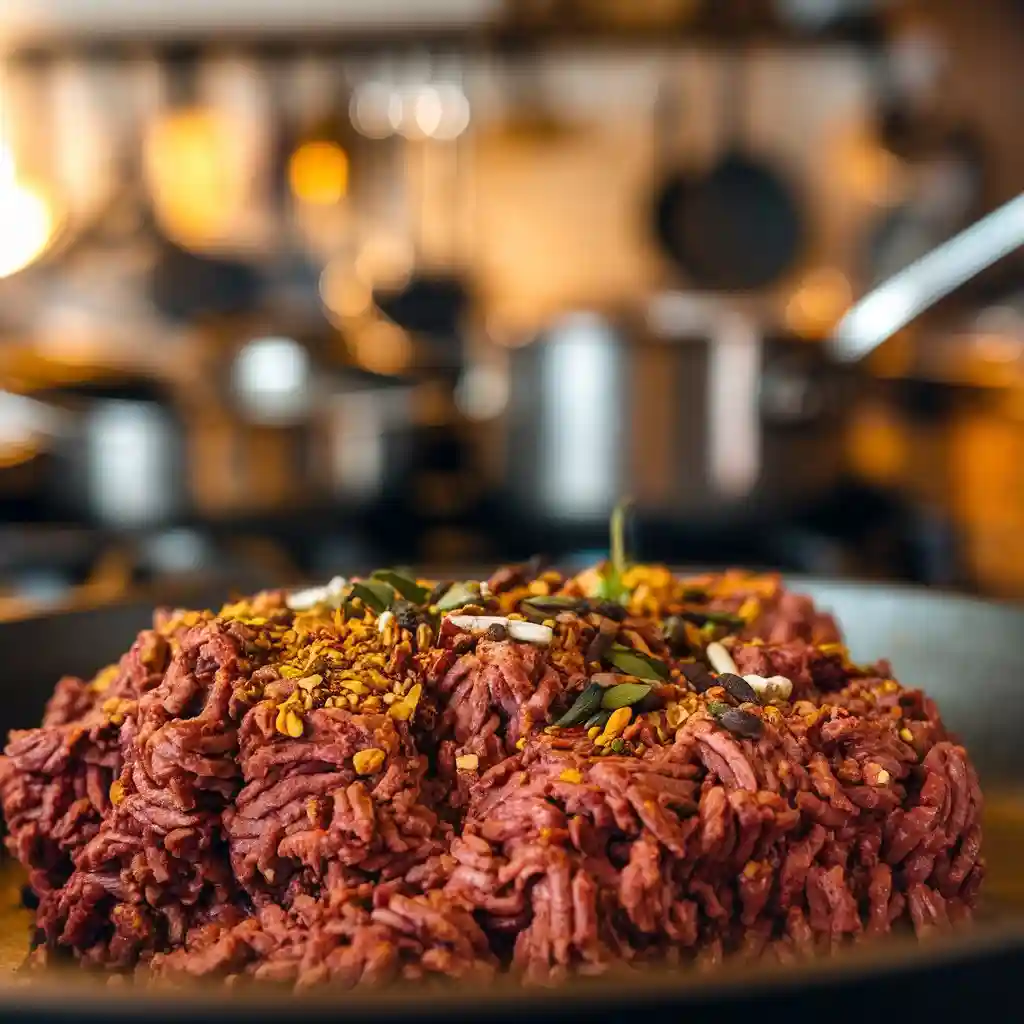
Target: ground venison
{"x": 296, "y": 797}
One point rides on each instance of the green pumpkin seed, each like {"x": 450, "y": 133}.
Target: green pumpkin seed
{"x": 459, "y": 595}
{"x": 634, "y": 663}
{"x": 624, "y": 695}
{"x": 374, "y": 594}
{"x": 583, "y": 707}
{"x": 554, "y": 603}
{"x": 742, "y": 723}
{"x": 673, "y": 629}
{"x": 403, "y": 585}
{"x": 712, "y": 618}
{"x": 532, "y": 614}
{"x": 737, "y": 687}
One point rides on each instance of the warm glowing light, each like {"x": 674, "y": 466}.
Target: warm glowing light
{"x": 344, "y": 296}
{"x": 427, "y": 113}
{"x": 877, "y": 446}
{"x": 26, "y": 218}
{"x": 17, "y": 453}
{"x": 872, "y": 173}
{"x": 318, "y": 173}
{"x": 382, "y": 347}
{"x": 193, "y": 179}
{"x": 385, "y": 262}
{"x": 818, "y": 303}
{"x": 375, "y": 110}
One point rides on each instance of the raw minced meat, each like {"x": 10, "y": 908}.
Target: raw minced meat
{"x": 334, "y": 793}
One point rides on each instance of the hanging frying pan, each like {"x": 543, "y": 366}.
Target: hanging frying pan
{"x": 737, "y": 227}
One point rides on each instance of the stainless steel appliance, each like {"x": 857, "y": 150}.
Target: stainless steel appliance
{"x": 696, "y": 414}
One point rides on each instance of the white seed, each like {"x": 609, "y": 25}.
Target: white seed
{"x": 329, "y": 593}
{"x": 720, "y": 658}
{"x": 530, "y": 632}
{"x": 771, "y": 688}
{"x": 485, "y": 590}
{"x": 518, "y": 629}
{"x": 478, "y": 623}
{"x": 385, "y": 620}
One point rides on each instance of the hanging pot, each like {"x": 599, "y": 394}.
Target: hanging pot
{"x": 704, "y": 419}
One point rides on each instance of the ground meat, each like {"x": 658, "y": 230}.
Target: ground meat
{"x": 345, "y": 937}
{"x": 304, "y": 819}
{"x": 322, "y": 795}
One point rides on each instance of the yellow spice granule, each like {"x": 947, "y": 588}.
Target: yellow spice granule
{"x": 467, "y": 762}
{"x": 116, "y": 792}
{"x": 403, "y": 709}
{"x": 906, "y": 735}
{"x": 368, "y": 761}
{"x": 675, "y": 715}
{"x": 620, "y": 718}
{"x": 571, "y": 775}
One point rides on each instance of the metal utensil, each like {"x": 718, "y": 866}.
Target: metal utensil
{"x": 117, "y": 451}
{"x": 882, "y": 312}
{"x": 694, "y": 415}
{"x": 739, "y": 226}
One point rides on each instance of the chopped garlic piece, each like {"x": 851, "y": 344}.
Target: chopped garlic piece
{"x": 384, "y": 621}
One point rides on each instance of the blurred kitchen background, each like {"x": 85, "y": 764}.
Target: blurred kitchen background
{"x": 287, "y": 289}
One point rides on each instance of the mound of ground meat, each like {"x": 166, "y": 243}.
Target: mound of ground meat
{"x": 532, "y": 778}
